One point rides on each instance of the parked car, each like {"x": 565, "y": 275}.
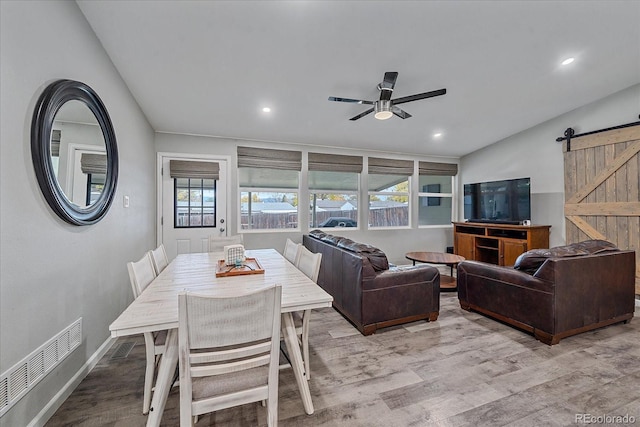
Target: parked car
{"x": 337, "y": 221}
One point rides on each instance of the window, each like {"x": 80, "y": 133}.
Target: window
{"x": 194, "y": 193}
{"x": 95, "y": 185}
{"x": 435, "y": 197}
{"x": 333, "y": 190}
{"x": 269, "y": 181}
{"x": 94, "y": 165}
{"x": 195, "y": 202}
{"x": 389, "y": 194}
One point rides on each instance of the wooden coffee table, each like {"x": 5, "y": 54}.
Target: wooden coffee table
{"x": 447, "y": 283}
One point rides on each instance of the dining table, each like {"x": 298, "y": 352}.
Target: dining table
{"x": 156, "y": 309}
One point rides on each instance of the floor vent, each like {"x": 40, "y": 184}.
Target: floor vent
{"x": 24, "y": 375}
{"x": 122, "y": 350}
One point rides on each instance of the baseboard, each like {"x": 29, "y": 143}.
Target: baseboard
{"x": 57, "y": 401}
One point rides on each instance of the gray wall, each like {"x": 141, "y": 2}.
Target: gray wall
{"x": 535, "y": 153}
{"x": 52, "y": 273}
{"x": 395, "y": 243}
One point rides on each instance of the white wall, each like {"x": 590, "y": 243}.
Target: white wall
{"x": 52, "y": 273}
{"x": 535, "y": 153}
{"x": 395, "y": 243}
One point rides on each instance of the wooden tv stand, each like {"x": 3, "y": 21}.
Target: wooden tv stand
{"x": 497, "y": 243}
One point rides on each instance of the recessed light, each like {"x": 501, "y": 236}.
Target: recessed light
{"x": 437, "y": 134}
{"x": 266, "y": 110}
{"x": 568, "y": 61}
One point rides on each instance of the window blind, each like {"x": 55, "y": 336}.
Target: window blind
{"x": 390, "y": 166}
{"x": 194, "y": 170}
{"x": 250, "y": 157}
{"x": 334, "y": 163}
{"x": 433, "y": 168}
{"x": 92, "y": 163}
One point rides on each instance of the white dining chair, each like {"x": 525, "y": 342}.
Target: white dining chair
{"x": 217, "y": 244}
{"x": 141, "y": 274}
{"x": 228, "y": 350}
{"x": 309, "y": 263}
{"x": 159, "y": 258}
{"x": 291, "y": 250}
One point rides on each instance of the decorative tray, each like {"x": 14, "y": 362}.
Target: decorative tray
{"x": 249, "y": 266}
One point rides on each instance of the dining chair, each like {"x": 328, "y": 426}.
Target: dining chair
{"x": 291, "y": 250}
{"x": 309, "y": 263}
{"x": 159, "y": 258}
{"x": 228, "y": 350}
{"x": 217, "y": 244}
{"x": 141, "y": 273}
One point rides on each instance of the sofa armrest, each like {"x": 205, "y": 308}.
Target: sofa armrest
{"x": 401, "y": 294}
{"x": 500, "y": 274}
{"x": 399, "y": 276}
{"x": 593, "y": 288}
{"x": 507, "y": 294}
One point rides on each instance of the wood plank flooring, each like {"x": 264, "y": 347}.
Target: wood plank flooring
{"x": 462, "y": 370}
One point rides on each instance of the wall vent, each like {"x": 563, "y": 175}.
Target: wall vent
{"x": 24, "y": 375}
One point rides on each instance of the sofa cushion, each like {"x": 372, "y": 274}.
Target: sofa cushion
{"x": 346, "y": 243}
{"x": 376, "y": 257}
{"x": 530, "y": 261}
{"x": 318, "y": 234}
{"x": 595, "y": 246}
{"x": 331, "y": 239}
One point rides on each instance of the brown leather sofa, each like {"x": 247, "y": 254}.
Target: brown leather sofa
{"x": 369, "y": 293}
{"x": 554, "y": 293}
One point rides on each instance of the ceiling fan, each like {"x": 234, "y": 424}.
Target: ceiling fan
{"x": 385, "y": 107}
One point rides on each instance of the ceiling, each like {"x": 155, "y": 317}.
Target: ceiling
{"x": 209, "y": 67}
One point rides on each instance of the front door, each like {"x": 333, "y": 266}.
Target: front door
{"x": 192, "y": 209}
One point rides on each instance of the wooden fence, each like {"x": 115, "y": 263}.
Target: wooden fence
{"x": 384, "y": 217}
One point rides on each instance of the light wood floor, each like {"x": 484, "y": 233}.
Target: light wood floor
{"x": 463, "y": 369}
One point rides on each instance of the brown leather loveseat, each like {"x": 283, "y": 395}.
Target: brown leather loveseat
{"x": 554, "y": 293}
{"x": 369, "y": 293}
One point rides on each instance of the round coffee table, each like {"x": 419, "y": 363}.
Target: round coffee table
{"x": 447, "y": 283}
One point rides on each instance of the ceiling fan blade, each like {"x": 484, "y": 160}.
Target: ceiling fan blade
{"x": 419, "y": 96}
{"x": 353, "y": 101}
{"x": 400, "y": 113}
{"x": 386, "y": 87}
{"x": 369, "y": 111}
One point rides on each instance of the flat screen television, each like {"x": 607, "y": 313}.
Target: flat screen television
{"x": 500, "y": 202}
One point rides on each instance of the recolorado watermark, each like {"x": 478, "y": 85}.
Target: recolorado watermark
{"x": 604, "y": 419}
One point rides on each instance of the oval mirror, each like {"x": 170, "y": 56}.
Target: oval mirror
{"x": 74, "y": 152}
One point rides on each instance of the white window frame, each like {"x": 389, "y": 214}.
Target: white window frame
{"x": 348, "y": 192}
{"x": 267, "y": 190}
{"x": 441, "y": 195}
{"x": 389, "y": 194}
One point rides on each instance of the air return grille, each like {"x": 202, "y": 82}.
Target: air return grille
{"x": 24, "y": 375}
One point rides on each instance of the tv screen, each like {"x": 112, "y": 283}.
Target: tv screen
{"x": 506, "y": 202}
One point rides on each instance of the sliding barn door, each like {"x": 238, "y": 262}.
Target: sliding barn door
{"x": 602, "y": 198}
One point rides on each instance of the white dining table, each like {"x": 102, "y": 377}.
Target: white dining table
{"x": 156, "y": 309}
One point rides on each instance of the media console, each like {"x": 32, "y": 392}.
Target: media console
{"x": 499, "y": 244}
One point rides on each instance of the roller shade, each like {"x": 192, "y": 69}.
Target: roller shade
{"x": 91, "y": 163}
{"x": 334, "y": 163}
{"x": 249, "y": 157}
{"x": 442, "y": 169}
{"x": 390, "y": 166}
{"x": 194, "y": 170}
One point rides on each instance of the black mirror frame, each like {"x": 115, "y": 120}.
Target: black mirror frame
{"x": 50, "y": 101}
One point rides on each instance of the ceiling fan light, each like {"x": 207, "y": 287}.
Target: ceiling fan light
{"x": 383, "y": 115}
{"x": 382, "y": 110}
